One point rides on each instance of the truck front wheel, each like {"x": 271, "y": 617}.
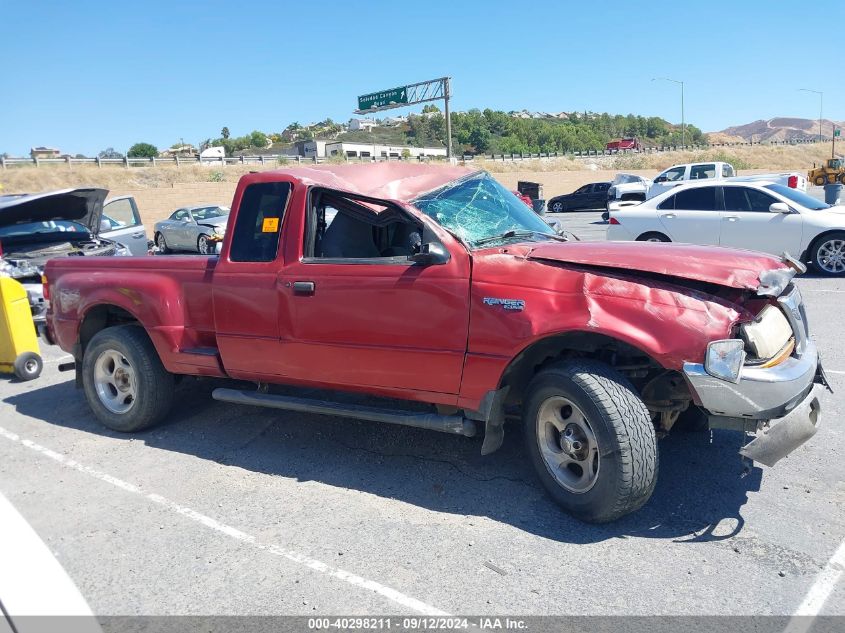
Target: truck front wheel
{"x": 591, "y": 440}
{"x": 125, "y": 383}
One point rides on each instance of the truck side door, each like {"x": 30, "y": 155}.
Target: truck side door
{"x": 248, "y": 314}
{"x": 366, "y": 315}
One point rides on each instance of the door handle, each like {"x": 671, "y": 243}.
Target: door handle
{"x": 304, "y": 287}
{"x": 732, "y": 218}
{"x": 138, "y": 236}
{"x": 668, "y": 216}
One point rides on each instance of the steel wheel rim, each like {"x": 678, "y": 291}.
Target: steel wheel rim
{"x": 30, "y": 366}
{"x": 114, "y": 381}
{"x": 568, "y": 444}
{"x": 203, "y": 245}
{"x": 160, "y": 241}
{"x": 654, "y": 239}
{"x": 831, "y": 256}
{"x": 557, "y": 207}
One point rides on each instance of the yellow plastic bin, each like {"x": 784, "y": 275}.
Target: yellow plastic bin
{"x": 19, "y": 351}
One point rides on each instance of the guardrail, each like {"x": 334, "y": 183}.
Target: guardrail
{"x": 284, "y": 159}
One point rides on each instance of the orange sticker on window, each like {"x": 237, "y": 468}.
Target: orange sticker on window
{"x": 270, "y": 225}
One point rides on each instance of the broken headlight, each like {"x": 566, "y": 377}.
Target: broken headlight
{"x": 768, "y": 334}
{"x": 18, "y": 270}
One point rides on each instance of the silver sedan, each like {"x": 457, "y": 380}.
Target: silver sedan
{"x": 197, "y": 229}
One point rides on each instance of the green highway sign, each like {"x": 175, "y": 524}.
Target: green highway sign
{"x": 392, "y": 97}
{"x": 836, "y": 132}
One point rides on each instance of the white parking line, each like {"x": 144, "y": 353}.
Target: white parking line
{"x": 825, "y": 583}
{"x": 834, "y": 371}
{"x": 334, "y": 572}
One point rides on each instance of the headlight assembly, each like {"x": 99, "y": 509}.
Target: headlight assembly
{"x": 724, "y": 359}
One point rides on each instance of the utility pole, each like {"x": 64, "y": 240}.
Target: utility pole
{"x": 446, "y": 94}
{"x": 683, "y": 122}
{"x": 821, "y": 107}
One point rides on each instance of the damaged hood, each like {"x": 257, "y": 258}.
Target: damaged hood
{"x": 83, "y": 206}
{"x": 709, "y": 264}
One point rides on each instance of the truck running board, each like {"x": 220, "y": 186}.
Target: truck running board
{"x": 455, "y": 424}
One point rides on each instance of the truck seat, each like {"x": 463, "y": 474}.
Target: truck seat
{"x": 347, "y": 237}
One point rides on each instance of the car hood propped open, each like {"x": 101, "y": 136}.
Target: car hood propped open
{"x": 709, "y": 264}
{"x": 82, "y": 205}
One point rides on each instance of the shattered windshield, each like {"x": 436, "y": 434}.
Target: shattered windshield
{"x": 480, "y": 210}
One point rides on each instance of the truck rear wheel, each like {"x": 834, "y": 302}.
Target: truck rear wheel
{"x": 125, "y": 383}
{"x": 820, "y": 180}
{"x": 591, "y": 440}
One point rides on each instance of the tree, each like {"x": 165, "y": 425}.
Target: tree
{"x": 142, "y": 150}
{"x": 430, "y": 108}
{"x": 257, "y": 139}
{"x": 224, "y": 132}
{"x": 110, "y": 152}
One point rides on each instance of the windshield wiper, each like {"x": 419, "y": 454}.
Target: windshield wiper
{"x": 517, "y": 233}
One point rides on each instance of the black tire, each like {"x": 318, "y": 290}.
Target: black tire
{"x": 162, "y": 244}
{"x": 152, "y": 386}
{"x": 842, "y": 179}
{"x": 820, "y": 180}
{"x": 207, "y": 245}
{"x": 653, "y": 237}
{"x": 626, "y": 456}
{"x": 831, "y": 268}
{"x": 28, "y": 366}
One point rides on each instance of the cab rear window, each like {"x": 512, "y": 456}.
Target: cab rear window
{"x": 259, "y": 222}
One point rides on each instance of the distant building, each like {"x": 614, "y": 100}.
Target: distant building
{"x": 361, "y": 124}
{"x": 368, "y": 150}
{"x": 393, "y": 121}
{"x": 44, "y": 152}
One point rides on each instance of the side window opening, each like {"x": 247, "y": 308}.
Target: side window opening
{"x": 259, "y": 223}
{"x": 696, "y": 199}
{"x": 699, "y": 172}
{"x": 122, "y": 213}
{"x": 668, "y": 204}
{"x": 343, "y": 227}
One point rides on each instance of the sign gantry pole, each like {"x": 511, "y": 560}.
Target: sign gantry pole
{"x": 411, "y": 94}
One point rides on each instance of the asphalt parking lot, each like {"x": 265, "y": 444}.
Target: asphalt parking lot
{"x": 237, "y": 510}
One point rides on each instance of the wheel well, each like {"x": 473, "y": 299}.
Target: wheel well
{"x": 629, "y": 360}
{"x": 99, "y": 318}
{"x": 645, "y": 235}
{"x": 805, "y": 256}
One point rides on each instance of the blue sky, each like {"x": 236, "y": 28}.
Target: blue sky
{"x": 86, "y": 75}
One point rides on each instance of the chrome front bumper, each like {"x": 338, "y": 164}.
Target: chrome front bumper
{"x": 778, "y": 402}
{"x": 760, "y": 394}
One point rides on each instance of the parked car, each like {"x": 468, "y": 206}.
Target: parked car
{"x": 35, "y": 228}
{"x": 123, "y": 224}
{"x": 197, "y": 229}
{"x": 761, "y": 216}
{"x": 678, "y": 174}
{"x": 591, "y": 196}
{"x": 438, "y": 287}
{"x": 627, "y": 187}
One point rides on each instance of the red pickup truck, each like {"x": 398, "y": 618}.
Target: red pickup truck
{"x": 437, "y": 287}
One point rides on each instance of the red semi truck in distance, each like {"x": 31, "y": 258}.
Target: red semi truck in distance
{"x": 621, "y": 144}
{"x": 437, "y": 287}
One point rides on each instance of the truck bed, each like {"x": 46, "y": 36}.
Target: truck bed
{"x": 182, "y": 330}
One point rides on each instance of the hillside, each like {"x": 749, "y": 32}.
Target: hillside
{"x": 781, "y": 129}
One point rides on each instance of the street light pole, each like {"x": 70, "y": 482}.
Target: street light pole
{"x": 683, "y": 123}
{"x": 821, "y": 107}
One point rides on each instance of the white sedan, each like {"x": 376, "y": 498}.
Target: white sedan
{"x": 761, "y": 216}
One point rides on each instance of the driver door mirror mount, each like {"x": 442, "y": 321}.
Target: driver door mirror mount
{"x": 429, "y": 254}
{"x": 779, "y": 207}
